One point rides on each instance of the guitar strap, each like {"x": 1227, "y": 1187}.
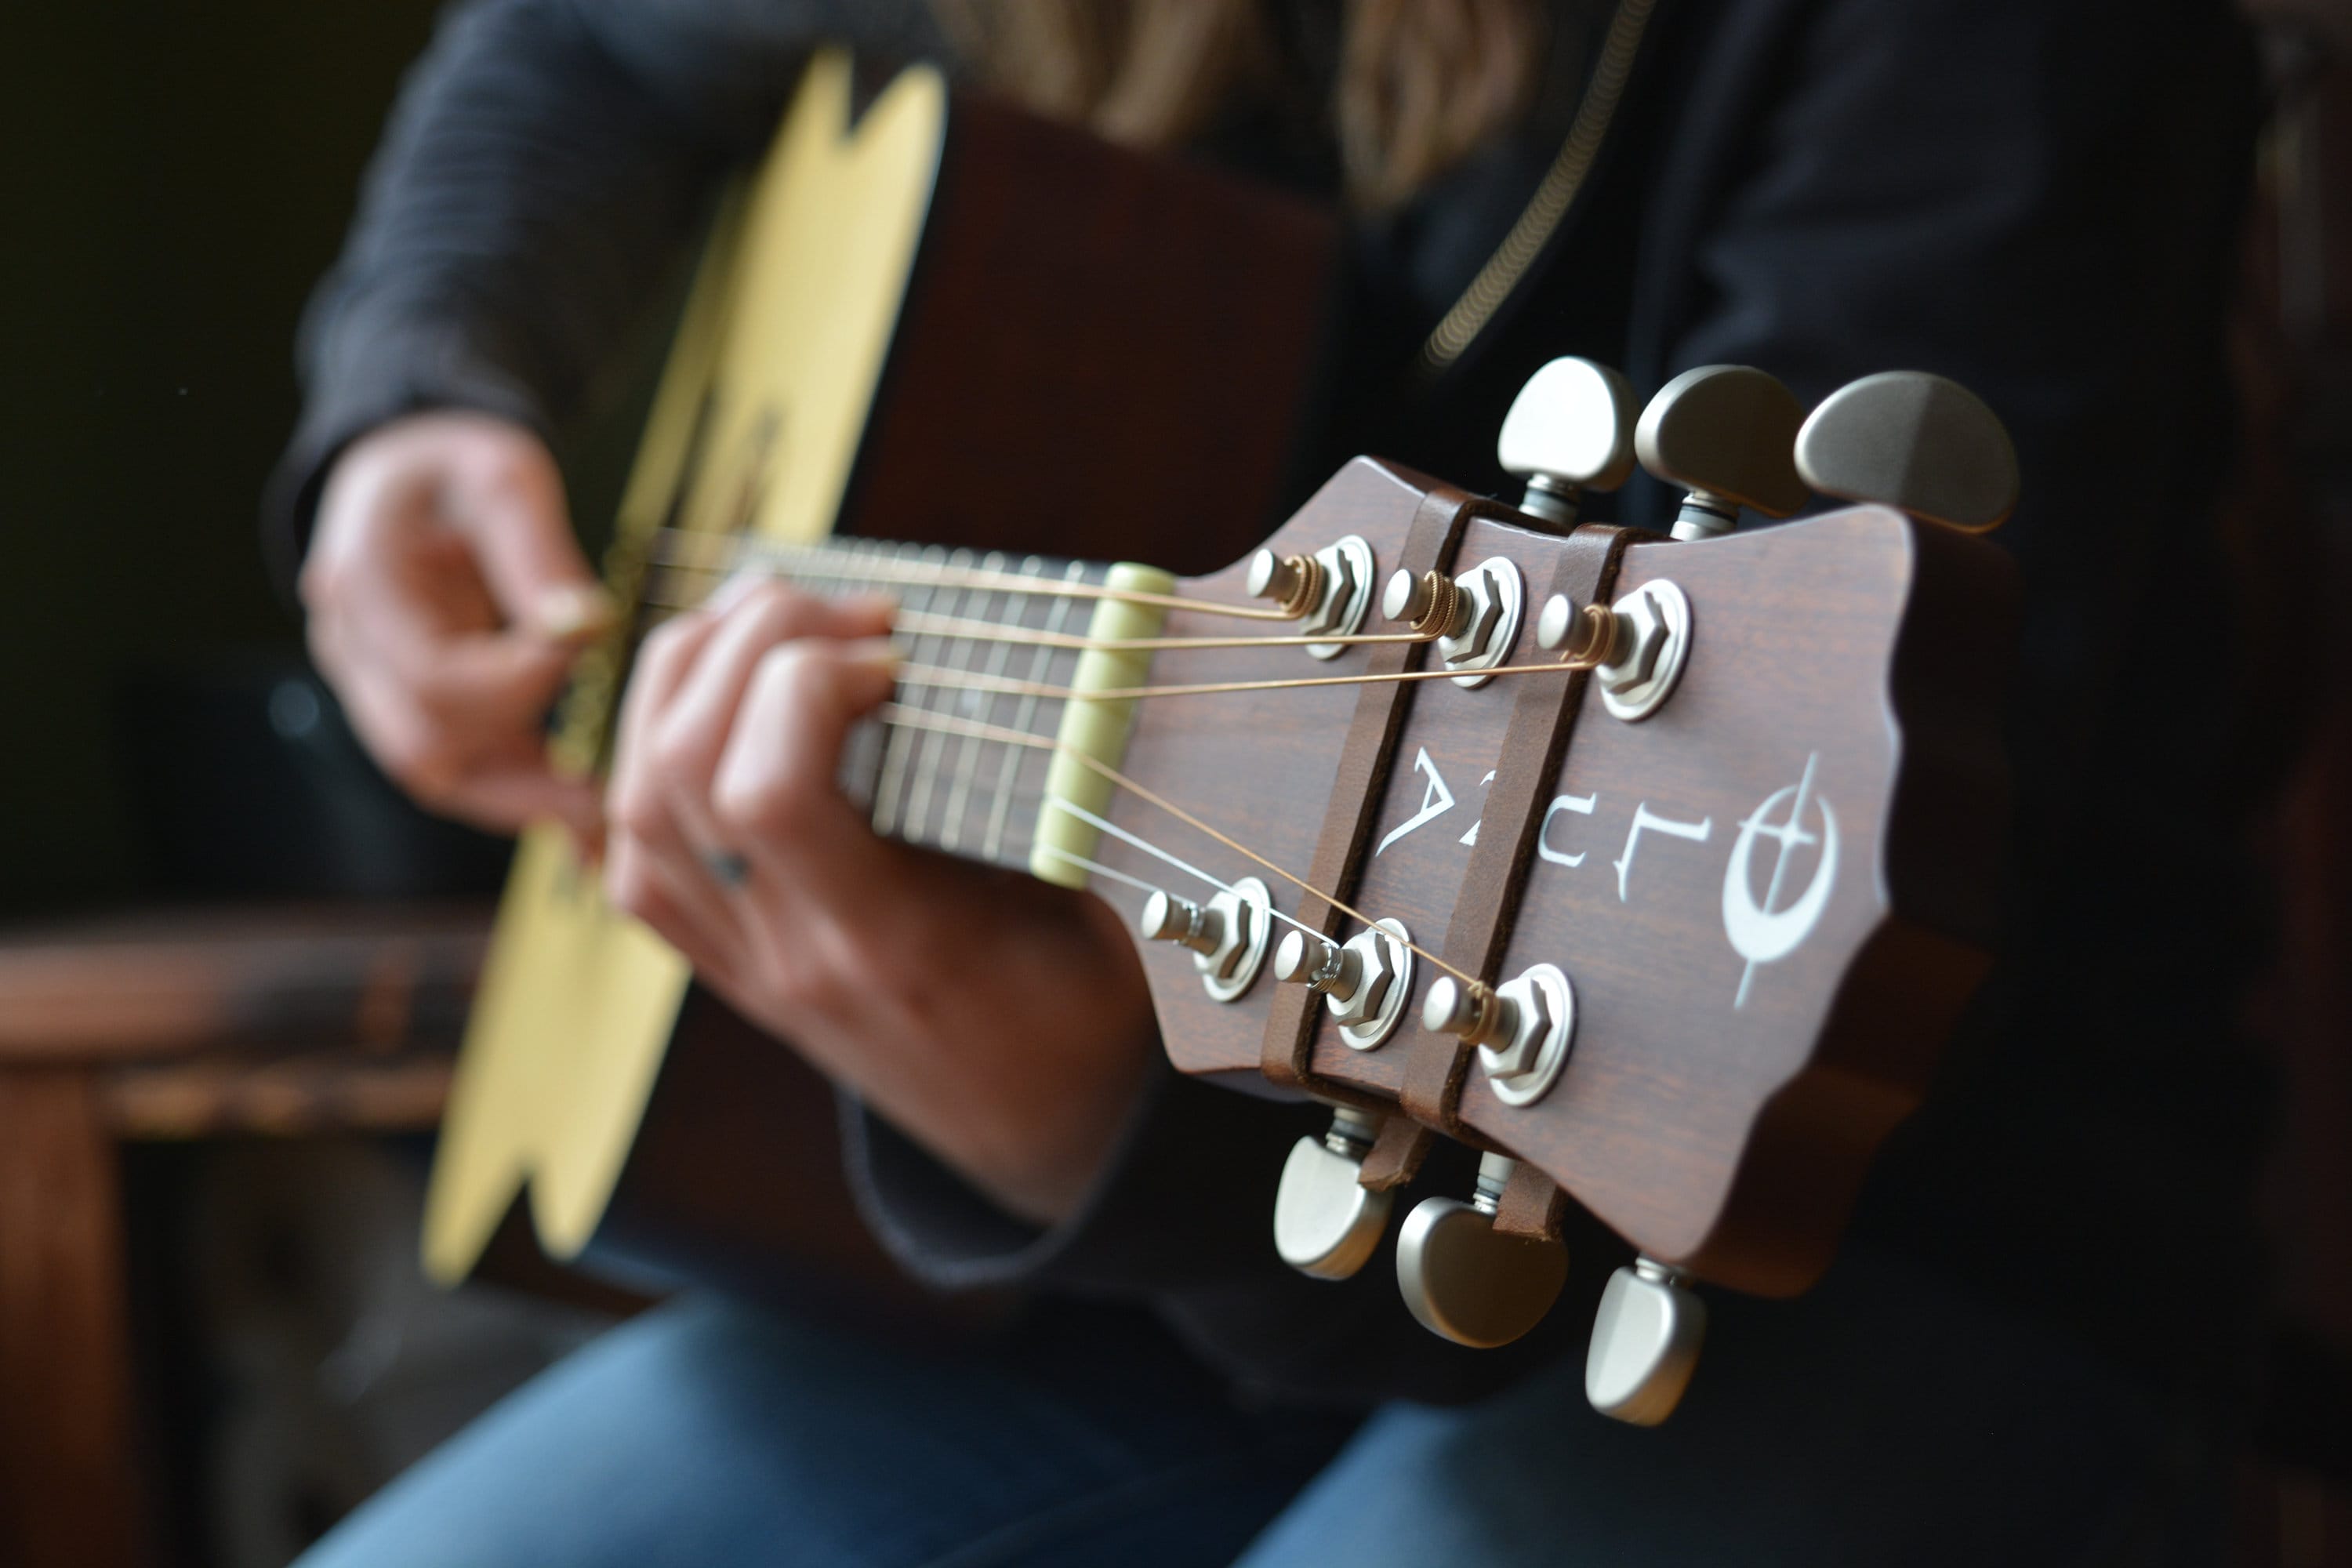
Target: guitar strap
{"x": 1543, "y": 718}
{"x": 1364, "y": 759}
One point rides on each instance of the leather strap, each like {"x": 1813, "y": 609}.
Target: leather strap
{"x": 1543, "y": 716}
{"x": 1532, "y": 1206}
{"x": 1395, "y": 1155}
{"x": 1364, "y": 759}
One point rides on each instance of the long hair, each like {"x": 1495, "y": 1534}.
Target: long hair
{"x": 1421, "y": 83}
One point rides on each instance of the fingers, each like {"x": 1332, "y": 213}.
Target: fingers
{"x": 686, "y": 708}
{"x": 428, "y": 528}
{"x": 509, "y": 502}
{"x": 774, "y": 793}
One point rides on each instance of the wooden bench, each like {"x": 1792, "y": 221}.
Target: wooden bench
{"x": 174, "y": 1025}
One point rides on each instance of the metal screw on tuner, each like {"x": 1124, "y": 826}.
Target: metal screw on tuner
{"x": 1727, "y": 435}
{"x": 1325, "y": 1222}
{"x": 1568, "y": 431}
{"x": 1646, "y": 1343}
{"x": 1524, "y": 1028}
{"x": 1363, "y": 982}
{"x": 1328, "y": 591}
{"x": 1914, "y": 441}
{"x": 1227, "y": 935}
{"x": 1464, "y": 1280}
{"x": 1474, "y": 616}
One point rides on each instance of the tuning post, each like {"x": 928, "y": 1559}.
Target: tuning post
{"x": 1568, "y": 431}
{"x": 1227, "y": 935}
{"x": 1727, "y": 435}
{"x": 1363, "y": 982}
{"x": 1327, "y": 592}
{"x": 1294, "y": 583}
{"x": 1646, "y": 1343}
{"x": 1636, "y": 647}
{"x": 1466, "y": 1281}
{"x": 1474, "y": 617}
{"x": 1524, "y": 1028}
{"x": 1325, "y": 1222}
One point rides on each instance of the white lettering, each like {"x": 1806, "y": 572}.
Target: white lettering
{"x": 1436, "y": 800}
{"x": 1758, "y": 933}
{"x": 1695, "y": 832}
{"x": 1582, "y": 806}
{"x": 1471, "y": 836}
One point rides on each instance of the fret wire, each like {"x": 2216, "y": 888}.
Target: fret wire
{"x": 763, "y": 551}
{"x": 927, "y": 763}
{"x": 1057, "y": 614}
{"x": 895, "y": 746}
{"x": 968, "y": 760}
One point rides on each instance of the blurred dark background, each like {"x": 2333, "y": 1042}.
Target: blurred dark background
{"x": 175, "y": 175}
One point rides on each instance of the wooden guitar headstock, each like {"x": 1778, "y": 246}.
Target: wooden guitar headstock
{"x": 1736, "y": 916}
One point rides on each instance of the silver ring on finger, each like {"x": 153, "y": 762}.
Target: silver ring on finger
{"x": 727, "y": 869}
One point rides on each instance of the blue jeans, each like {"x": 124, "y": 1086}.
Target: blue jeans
{"x": 1879, "y": 1422}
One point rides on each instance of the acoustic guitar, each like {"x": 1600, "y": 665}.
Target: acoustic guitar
{"x": 1655, "y": 869}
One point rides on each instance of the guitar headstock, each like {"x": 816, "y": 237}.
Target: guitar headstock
{"x": 1680, "y": 881}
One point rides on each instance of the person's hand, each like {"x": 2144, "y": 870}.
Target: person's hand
{"x": 1000, "y": 1023}
{"x": 448, "y": 599}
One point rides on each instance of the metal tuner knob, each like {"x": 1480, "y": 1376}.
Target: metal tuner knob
{"x": 1917, "y": 442}
{"x": 1466, "y": 1281}
{"x": 1727, "y": 435}
{"x": 1646, "y": 1343}
{"x": 1568, "y": 431}
{"x": 1325, "y": 1222}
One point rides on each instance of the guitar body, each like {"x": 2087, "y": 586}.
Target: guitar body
{"x": 931, "y": 318}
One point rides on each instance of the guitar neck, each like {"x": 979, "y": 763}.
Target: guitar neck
{"x": 948, "y": 784}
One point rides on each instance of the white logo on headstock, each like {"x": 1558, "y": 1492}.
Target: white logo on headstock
{"x": 1759, "y": 933}
{"x": 1436, "y": 800}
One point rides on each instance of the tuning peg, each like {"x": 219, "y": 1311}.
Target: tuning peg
{"x": 1646, "y": 1343}
{"x": 1916, "y": 441}
{"x": 1325, "y": 1222}
{"x": 1569, "y": 430}
{"x": 1727, "y": 435}
{"x": 1468, "y": 1282}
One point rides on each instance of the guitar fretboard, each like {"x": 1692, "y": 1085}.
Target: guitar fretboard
{"x": 965, "y": 794}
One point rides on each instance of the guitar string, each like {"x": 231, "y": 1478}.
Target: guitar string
{"x": 897, "y": 714}
{"x": 930, "y": 676}
{"x": 1116, "y": 831}
{"x": 828, "y": 562}
{"x": 926, "y": 623}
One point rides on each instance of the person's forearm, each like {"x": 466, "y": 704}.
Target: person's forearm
{"x": 544, "y": 162}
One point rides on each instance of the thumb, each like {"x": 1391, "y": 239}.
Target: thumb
{"x": 511, "y": 508}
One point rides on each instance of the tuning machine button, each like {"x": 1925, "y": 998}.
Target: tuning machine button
{"x": 1329, "y": 593}
{"x": 1569, "y": 430}
{"x": 1474, "y": 617}
{"x": 1325, "y": 1222}
{"x": 1727, "y": 435}
{"x": 1363, "y": 982}
{"x": 1919, "y": 442}
{"x": 1646, "y": 1343}
{"x": 1466, "y": 1281}
{"x": 1227, "y": 935}
{"x": 1524, "y": 1028}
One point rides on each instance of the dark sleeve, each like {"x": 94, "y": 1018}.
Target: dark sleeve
{"x": 543, "y": 161}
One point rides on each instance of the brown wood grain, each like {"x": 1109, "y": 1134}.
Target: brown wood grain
{"x": 1723, "y": 1132}
{"x": 69, "y": 1490}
